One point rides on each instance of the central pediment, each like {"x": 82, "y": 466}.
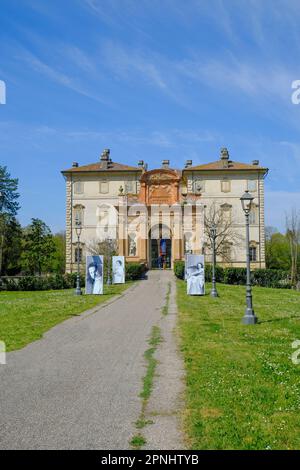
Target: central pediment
{"x": 160, "y": 187}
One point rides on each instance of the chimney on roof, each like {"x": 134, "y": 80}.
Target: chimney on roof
{"x": 188, "y": 163}
{"x": 255, "y": 162}
{"x": 75, "y": 164}
{"x": 105, "y": 155}
{"x": 224, "y": 157}
{"x": 105, "y": 158}
{"x": 165, "y": 163}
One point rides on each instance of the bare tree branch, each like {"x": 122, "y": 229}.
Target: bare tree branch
{"x": 292, "y": 221}
{"x": 226, "y": 234}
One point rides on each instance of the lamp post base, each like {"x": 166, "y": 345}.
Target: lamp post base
{"x": 214, "y": 293}
{"x": 78, "y": 291}
{"x": 249, "y": 318}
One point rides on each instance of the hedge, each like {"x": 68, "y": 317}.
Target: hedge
{"x": 134, "y": 271}
{"x": 237, "y": 276}
{"x": 34, "y": 283}
{"x": 61, "y": 281}
{"x": 179, "y": 267}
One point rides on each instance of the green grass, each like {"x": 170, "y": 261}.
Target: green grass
{"x": 243, "y": 391}
{"x": 154, "y": 340}
{"x": 165, "y": 308}
{"x": 141, "y": 423}
{"x": 26, "y": 316}
{"x": 137, "y": 441}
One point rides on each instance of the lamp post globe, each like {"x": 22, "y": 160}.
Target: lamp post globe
{"x": 249, "y": 317}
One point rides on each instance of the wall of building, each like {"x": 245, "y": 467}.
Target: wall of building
{"x": 211, "y": 193}
{"x": 92, "y": 193}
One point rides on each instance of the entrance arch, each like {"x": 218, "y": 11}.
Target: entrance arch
{"x": 160, "y": 247}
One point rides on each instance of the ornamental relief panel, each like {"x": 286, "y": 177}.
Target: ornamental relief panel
{"x": 160, "y": 187}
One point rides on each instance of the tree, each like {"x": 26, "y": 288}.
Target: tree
{"x": 12, "y": 248}
{"x": 38, "y": 248}
{"x": 58, "y": 264}
{"x": 226, "y": 234}
{"x": 293, "y": 236}
{"x": 278, "y": 252}
{"x": 269, "y": 231}
{"x": 9, "y": 205}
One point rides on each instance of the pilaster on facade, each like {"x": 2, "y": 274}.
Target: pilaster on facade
{"x": 68, "y": 224}
{"x": 262, "y": 221}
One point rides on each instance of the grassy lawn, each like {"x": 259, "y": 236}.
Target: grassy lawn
{"x": 25, "y": 316}
{"x": 243, "y": 391}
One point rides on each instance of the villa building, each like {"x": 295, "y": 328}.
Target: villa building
{"x": 128, "y": 203}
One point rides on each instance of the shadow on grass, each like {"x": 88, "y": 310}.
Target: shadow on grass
{"x": 272, "y": 320}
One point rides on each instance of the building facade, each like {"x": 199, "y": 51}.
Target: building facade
{"x": 164, "y": 212}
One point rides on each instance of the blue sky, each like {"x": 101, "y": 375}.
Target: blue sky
{"x": 149, "y": 79}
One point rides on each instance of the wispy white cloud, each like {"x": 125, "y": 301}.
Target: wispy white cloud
{"x": 79, "y": 58}
{"x": 259, "y": 82}
{"x": 234, "y": 75}
{"x": 125, "y": 62}
{"x": 59, "y": 77}
{"x": 170, "y": 138}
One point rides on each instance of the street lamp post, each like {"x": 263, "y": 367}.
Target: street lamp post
{"x": 1, "y": 206}
{"x": 249, "y": 318}
{"x": 109, "y": 242}
{"x": 78, "y": 228}
{"x": 213, "y": 236}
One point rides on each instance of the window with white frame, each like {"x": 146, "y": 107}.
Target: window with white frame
{"x": 78, "y": 187}
{"x": 104, "y": 220}
{"x": 226, "y": 252}
{"x": 225, "y": 185}
{"x": 104, "y": 187}
{"x": 78, "y": 214}
{"x": 253, "y": 215}
{"x": 130, "y": 187}
{"x": 252, "y": 185}
{"x": 78, "y": 255}
{"x": 226, "y": 212}
{"x": 199, "y": 185}
{"x": 253, "y": 253}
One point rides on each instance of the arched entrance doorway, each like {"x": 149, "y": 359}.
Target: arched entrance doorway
{"x": 160, "y": 247}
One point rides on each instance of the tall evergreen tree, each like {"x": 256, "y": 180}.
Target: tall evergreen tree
{"x": 38, "y": 248}
{"x": 9, "y": 205}
{"x": 12, "y": 248}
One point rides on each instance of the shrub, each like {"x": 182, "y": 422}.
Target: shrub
{"x": 237, "y": 276}
{"x": 134, "y": 271}
{"x": 70, "y": 280}
{"x": 179, "y": 268}
{"x": 9, "y": 284}
{"x": 34, "y": 283}
{"x": 271, "y": 278}
{"x": 219, "y": 272}
{"x": 29, "y": 283}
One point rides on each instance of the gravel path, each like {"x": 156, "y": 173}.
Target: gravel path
{"x": 164, "y": 408}
{"x": 78, "y": 387}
